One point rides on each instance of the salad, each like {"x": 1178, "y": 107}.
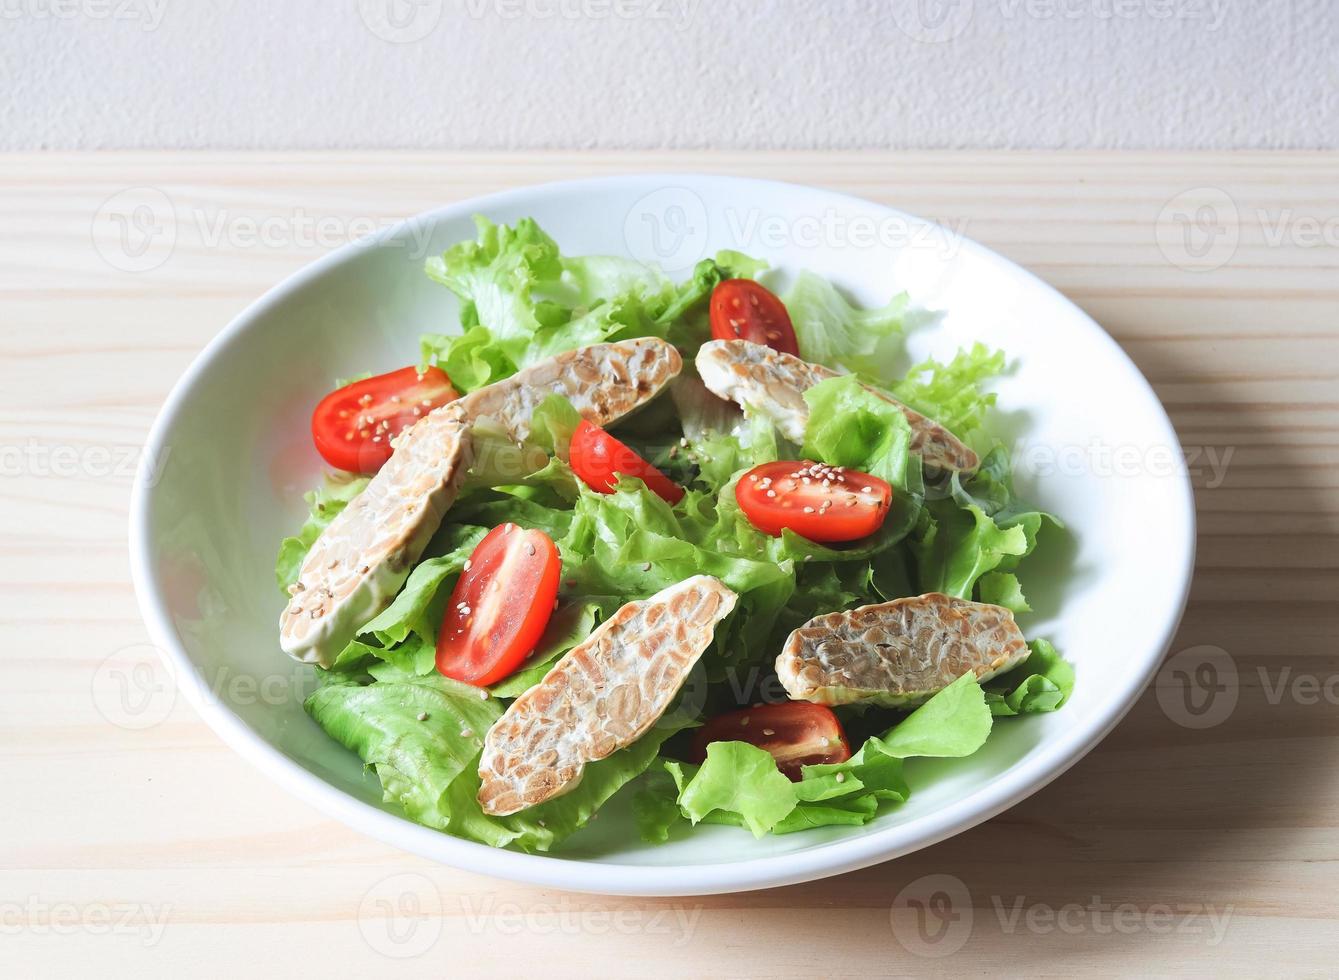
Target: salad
{"x": 690, "y": 542}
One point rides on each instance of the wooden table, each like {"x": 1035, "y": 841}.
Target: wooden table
{"x": 1170, "y": 849}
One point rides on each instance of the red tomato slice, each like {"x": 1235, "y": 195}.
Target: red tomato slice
{"x": 600, "y": 459}
{"x": 741, "y": 309}
{"x": 796, "y": 733}
{"x": 823, "y": 503}
{"x": 500, "y": 605}
{"x": 353, "y": 426}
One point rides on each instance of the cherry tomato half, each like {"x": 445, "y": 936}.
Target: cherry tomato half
{"x": 741, "y": 309}
{"x": 600, "y": 459}
{"x": 823, "y": 503}
{"x": 796, "y": 733}
{"x": 500, "y": 605}
{"x": 353, "y": 426}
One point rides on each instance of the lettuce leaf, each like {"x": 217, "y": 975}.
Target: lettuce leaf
{"x": 833, "y": 332}
{"x": 422, "y": 735}
{"x": 1041, "y": 683}
{"x": 851, "y": 426}
{"x": 523, "y": 301}
{"x": 740, "y": 784}
{"x": 951, "y": 393}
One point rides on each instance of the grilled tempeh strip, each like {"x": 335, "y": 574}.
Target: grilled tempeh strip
{"x": 359, "y": 562}
{"x": 898, "y": 653}
{"x": 763, "y": 380}
{"x": 601, "y": 696}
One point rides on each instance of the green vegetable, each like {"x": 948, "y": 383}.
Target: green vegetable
{"x": 833, "y": 332}
{"x": 1042, "y": 682}
{"x": 740, "y": 784}
{"x": 951, "y": 393}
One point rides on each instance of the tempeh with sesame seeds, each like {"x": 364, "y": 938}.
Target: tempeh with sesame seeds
{"x": 601, "y": 696}
{"x": 365, "y": 554}
{"x": 897, "y": 654}
{"x": 771, "y": 383}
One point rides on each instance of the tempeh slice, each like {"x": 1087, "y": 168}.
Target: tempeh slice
{"x": 601, "y": 696}
{"x": 898, "y": 653}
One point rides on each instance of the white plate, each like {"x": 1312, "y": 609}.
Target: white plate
{"x": 1092, "y": 444}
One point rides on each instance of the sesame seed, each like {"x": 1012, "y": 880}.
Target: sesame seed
{"x": 841, "y": 777}
{"x": 646, "y": 567}
{"x": 529, "y": 548}
{"x": 422, "y": 716}
{"x": 744, "y": 722}
{"x": 771, "y": 493}
{"x": 768, "y": 731}
{"x": 483, "y": 695}
{"x": 467, "y": 733}
{"x": 808, "y": 510}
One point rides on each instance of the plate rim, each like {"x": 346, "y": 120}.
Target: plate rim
{"x": 1041, "y": 765}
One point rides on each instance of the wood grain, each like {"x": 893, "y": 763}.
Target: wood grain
{"x": 160, "y": 852}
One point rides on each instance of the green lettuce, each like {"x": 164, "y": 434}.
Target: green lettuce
{"x": 740, "y": 784}
{"x": 423, "y": 735}
{"x": 970, "y": 542}
{"x": 833, "y": 332}
{"x": 522, "y": 301}
{"x": 1042, "y": 682}
{"x": 851, "y": 426}
{"x": 951, "y": 394}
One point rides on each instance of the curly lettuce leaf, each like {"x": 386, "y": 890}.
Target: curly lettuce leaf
{"x": 951, "y": 393}
{"x": 832, "y": 331}
{"x": 971, "y": 541}
{"x": 423, "y": 736}
{"x": 523, "y": 301}
{"x": 740, "y": 784}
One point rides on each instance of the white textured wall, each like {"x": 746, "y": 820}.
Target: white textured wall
{"x": 681, "y": 73}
